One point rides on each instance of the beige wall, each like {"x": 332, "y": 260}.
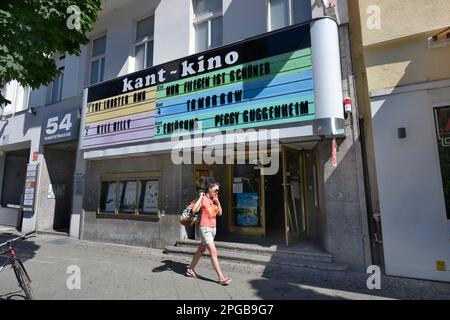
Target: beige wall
{"x": 405, "y": 62}
{"x": 402, "y": 18}
{"x": 397, "y": 53}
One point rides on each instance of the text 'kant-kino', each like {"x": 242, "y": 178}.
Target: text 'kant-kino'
{"x": 188, "y": 69}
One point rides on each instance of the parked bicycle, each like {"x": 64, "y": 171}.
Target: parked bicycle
{"x": 21, "y": 274}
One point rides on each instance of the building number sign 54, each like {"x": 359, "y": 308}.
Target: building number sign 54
{"x": 53, "y": 124}
{"x": 60, "y": 127}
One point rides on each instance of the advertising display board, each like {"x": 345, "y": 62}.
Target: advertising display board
{"x": 262, "y": 82}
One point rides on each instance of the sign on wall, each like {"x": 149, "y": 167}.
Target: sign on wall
{"x": 60, "y": 127}
{"x": 262, "y": 82}
{"x": 30, "y": 187}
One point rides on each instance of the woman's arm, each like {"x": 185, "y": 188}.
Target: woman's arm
{"x": 198, "y": 205}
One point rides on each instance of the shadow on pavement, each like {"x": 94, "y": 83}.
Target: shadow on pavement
{"x": 280, "y": 290}
{"x": 179, "y": 268}
{"x": 25, "y": 249}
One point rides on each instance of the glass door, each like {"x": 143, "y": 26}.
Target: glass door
{"x": 293, "y": 190}
{"x": 247, "y": 201}
{"x": 203, "y": 175}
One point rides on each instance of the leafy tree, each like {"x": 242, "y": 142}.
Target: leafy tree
{"x": 32, "y": 30}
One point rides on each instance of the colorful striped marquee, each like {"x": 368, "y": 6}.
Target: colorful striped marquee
{"x": 261, "y": 82}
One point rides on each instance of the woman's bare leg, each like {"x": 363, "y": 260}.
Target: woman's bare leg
{"x": 198, "y": 254}
{"x": 215, "y": 261}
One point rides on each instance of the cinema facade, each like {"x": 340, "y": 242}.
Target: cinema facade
{"x": 264, "y": 117}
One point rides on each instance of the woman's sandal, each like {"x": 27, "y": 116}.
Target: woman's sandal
{"x": 225, "y": 282}
{"x": 191, "y": 273}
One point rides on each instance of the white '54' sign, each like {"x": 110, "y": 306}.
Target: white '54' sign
{"x": 60, "y": 127}
{"x": 53, "y": 125}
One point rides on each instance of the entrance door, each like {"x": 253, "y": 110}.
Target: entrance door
{"x": 247, "y": 201}
{"x": 293, "y": 192}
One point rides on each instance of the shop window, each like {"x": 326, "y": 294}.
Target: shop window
{"x": 442, "y": 121}
{"x": 108, "y": 199}
{"x": 129, "y": 197}
{"x": 283, "y": 13}
{"x": 148, "y": 203}
{"x": 143, "y": 46}
{"x": 208, "y": 24}
{"x": 98, "y": 60}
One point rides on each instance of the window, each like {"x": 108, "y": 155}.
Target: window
{"x": 148, "y": 202}
{"x": 57, "y": 86}
{"x": 283, "y": 13}
{"x": 301, "y": 11}
{"x": 22, "y": 98}
{"x": 442, "y": 122}
{"x": 108, "y": 198}
{"x": 18, "y": 95}
{"x": 143, "y": 46}
{"x": 98, "y": 60}
{"x": 130, "y": 195}
{"x": 127, "y": 196}
{"x": 207, "y": 24}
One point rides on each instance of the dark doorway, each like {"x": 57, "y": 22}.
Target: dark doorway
{"x": 60, "y": 162}
{"x": 14, "y": 177}
{"x": 274, "y": 209}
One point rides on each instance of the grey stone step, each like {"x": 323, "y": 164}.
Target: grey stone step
{"x": 313, "y": 255}
{"x": 53, "y": 233}
{"x": 261, "y": 259}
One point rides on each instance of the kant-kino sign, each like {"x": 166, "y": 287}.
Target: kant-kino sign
{"x": 261, "y": 82}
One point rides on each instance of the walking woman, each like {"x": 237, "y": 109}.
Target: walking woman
{"x": 210, "y": 208}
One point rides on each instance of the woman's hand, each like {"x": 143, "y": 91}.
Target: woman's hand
{"x": 217, "y": 203}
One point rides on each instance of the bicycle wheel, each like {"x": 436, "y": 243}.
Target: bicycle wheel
{"x": 23, "y": 279}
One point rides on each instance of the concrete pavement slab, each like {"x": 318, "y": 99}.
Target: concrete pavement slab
{"x": 109, "y": 271}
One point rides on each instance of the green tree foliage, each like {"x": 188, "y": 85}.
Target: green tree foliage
{"x": 32, "y": 30}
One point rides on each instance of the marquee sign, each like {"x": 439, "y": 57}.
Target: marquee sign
{"x": 261, "y": 82}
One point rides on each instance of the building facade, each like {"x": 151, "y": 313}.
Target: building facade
{"x": 401, "y": 51}
{"x": 269, "y": 76}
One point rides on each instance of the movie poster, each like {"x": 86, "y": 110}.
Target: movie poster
{"x": 150, "y": 204}
{"x": 246, "y": 210}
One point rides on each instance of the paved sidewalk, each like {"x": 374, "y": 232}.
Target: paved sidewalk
{"x": 111, "y": 271}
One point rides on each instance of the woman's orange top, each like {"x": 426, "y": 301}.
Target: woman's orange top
{"x": 209, "y": 212}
